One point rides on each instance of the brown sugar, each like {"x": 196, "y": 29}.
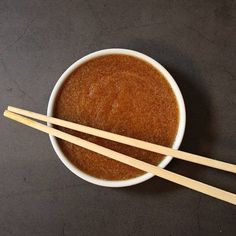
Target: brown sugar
{"x": 124, "y": 95}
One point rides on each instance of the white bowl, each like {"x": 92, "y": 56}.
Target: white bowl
{"x": 179, "y": 135}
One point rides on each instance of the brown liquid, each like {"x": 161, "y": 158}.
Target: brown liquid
{"x": 124, "y": 95}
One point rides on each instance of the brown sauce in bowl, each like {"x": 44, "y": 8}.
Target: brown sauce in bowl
{"x": 124, "y": 95}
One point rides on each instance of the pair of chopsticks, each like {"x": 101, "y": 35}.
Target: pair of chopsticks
{"x": 18, "y": 115}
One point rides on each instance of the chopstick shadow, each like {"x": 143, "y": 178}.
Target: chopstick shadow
{"x": 199, "y": 132}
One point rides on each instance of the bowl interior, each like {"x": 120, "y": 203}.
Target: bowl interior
{"x": 179, "y": 135}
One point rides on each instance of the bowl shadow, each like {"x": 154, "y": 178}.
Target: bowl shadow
{"x": 199, "y": 131}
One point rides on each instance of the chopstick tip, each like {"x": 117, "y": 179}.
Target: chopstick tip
{"x": 9, "y": 108}
{"x": 5, "y": 113}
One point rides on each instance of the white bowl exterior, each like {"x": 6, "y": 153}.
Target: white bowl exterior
{"x": 175, "y": 88}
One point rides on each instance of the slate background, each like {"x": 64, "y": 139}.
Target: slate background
{"x": 194, "y": 40}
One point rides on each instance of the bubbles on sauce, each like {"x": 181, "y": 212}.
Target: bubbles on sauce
{"x": 120, "y": 94}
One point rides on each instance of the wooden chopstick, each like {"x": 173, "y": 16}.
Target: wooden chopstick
{"x": 129, "y": 141}
{"x": 165, "y": 174}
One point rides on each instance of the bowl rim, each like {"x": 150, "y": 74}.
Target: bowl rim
{"x": 170, "y": 80}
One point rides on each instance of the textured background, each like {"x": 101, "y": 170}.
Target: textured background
{"x": 194, "y": 40}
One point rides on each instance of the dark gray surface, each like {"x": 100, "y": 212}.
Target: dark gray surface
{"x": 40, "y": 39}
